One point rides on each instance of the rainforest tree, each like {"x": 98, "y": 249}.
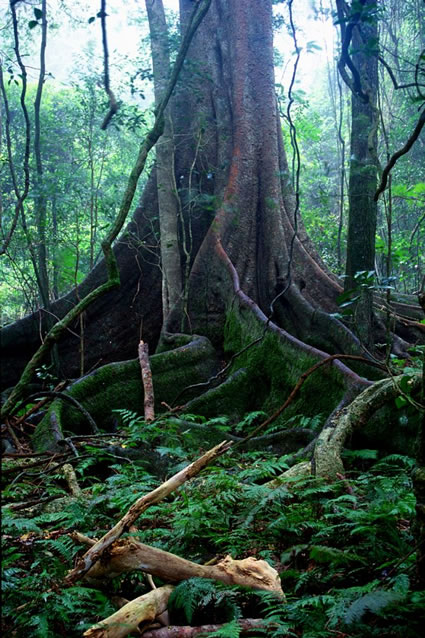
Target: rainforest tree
{"x": 215, "y": 264}
{"x": 247, "y": 267}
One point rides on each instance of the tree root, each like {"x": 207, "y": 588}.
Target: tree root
{"x": 326, "y": 461}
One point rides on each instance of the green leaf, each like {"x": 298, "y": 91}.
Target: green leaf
{"x": 32, "y": 24}
{"x": 38, "y": 13}
{"x": 92, "y": 19}
{"x": 400, "y": 402}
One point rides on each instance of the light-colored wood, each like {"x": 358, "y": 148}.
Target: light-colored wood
{"x": 127, "y": 619}
{"x": 96, "y": 551}
{"x": 128, "y": 554}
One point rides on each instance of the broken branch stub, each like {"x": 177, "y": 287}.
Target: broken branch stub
{"x": 145, "y": 367}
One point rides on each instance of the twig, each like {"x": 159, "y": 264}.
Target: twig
{"x": 63, "y": 397}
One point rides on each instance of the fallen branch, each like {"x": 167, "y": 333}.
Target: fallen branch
{"x": 176, "y": 631}
{"x": 95, "y": 552}
{"x": 127, "y": 554}
{"x": 127, "y": 619}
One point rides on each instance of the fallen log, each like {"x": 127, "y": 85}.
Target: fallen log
{"x": 175, "y": 631}
{"x": 127, "y": 554}
{"x": 140, "y": 611}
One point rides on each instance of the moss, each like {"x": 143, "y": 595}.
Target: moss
{"x": 231, "y": 398}
{"x": 273, "y": 367}
{"x": 119, "y": 386}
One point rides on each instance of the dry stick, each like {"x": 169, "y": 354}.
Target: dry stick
{"x": 147, "y": 382}
{"x": 95, "y": 552}
{"x": 300, "y": 382}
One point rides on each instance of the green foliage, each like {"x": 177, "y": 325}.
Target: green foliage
{"x": 344, "y": 550}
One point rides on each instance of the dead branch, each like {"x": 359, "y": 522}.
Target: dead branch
{"x": 127, "y": 619}
{"x": 175, "y": 631}
{"x": 127, "y": 554}
{"x": 147, "y": 382}
{"x": 71, "y": 479}
{"x": 95, "y": 552}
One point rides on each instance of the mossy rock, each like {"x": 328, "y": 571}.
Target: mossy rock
{"x": 118, "y": 386}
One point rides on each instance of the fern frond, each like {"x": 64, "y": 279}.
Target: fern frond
{"x": 374, "y": 602}
{"x": 231, "y": 629}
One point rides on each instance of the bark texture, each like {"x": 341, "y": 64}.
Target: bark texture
{"x": 229, "y": 166}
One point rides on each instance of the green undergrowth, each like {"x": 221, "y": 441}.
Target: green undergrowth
{"x": 344, "y": 551}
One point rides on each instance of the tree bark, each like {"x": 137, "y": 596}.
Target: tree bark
{"x": 166, "y": 183}
{"x": 363, "y": 167}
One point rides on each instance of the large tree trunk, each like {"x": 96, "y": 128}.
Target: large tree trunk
{"x": 363, "y": 174}
{"x": 230, "y": 167}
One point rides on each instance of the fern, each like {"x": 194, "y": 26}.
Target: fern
{"x": 373, "y": 602}
{"x": 191, "y": 594}
{"x": 231, "y": 629}
{"x": 332, "y": 555}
